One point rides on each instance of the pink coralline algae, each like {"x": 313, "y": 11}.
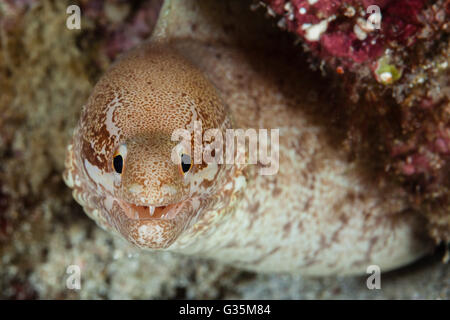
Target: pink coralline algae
{"x": 347, "y": 30}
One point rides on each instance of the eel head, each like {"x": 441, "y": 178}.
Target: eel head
{"x": 126, "y": 163}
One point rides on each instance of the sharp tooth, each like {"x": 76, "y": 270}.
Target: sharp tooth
{"x": 151, "y": 209}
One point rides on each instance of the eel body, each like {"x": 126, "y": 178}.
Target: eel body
{"x": 319, "y": 213}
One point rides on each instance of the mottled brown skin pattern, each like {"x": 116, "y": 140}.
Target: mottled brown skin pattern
{"x": 139, "y": 103}
{"x": 320, "y": 214}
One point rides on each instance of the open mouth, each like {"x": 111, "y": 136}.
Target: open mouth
{"x": 134, "y": 211}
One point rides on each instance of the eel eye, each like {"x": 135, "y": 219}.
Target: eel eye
{"x": 118, "y": 163}
{"x": 118, "y": 159}
{"x": 186, "y": 163}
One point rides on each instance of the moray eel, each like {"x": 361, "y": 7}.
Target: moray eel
{"x": 319, "y": 214}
